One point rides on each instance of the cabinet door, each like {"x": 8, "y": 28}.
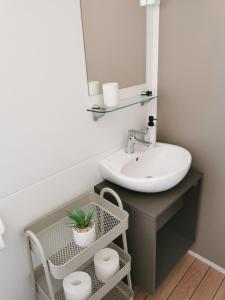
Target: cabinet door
{"x": 142, "y": 247}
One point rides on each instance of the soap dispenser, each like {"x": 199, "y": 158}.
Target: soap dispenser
{"x": 150, "y": 135}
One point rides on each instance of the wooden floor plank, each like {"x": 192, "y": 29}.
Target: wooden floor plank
{"x": 190, "y": 279}
{"x": 187, "y": 286}
{"x": 139, "y": 294}
{"x": 220, "y": 295}
{"x": 173, "y": 279}
{"x": 209, "y": 285}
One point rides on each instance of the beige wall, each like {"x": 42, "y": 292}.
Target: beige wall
{"x": 115, "y": 41}
{"x": 192, "y": 104}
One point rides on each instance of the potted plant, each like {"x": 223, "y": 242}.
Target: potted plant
{"x": 83, "y": 226}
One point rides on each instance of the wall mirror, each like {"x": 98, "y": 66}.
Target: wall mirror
{"x": 115, "y": 42}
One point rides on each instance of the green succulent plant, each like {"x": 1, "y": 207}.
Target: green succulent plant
{"x": 81, "y": 219}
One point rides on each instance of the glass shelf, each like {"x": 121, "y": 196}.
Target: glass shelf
{"x": 98, "y": 111}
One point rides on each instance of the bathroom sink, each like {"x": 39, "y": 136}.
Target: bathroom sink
{"x": 149, "y": 170}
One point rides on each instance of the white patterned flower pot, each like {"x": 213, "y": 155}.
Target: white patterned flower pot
{"x": 84, "y": 236}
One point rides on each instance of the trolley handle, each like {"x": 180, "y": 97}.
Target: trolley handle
{"x": 113, "y": 193}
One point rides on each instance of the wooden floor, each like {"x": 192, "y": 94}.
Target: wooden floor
{"x": 190, "y": 279}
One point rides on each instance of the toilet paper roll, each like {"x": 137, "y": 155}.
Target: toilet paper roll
{"x": 107, "y": 263}
{"x": 77, "y": 286}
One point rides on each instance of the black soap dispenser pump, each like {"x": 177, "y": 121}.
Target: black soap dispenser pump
{"x": 151, "y": 121}
{"x": 151, "y": 130}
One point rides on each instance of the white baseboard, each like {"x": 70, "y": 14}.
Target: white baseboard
{"x": 206, "y": 261}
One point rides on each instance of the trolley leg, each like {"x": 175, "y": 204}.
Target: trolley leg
{"x": 124, "y": 237}
{"x": 31, "y": 236}
{"x": 34, "y": 287}
{"x": 49, "y": 281}
{"x": 126, "y": 249}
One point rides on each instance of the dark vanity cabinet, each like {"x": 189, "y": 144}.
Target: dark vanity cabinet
{"x": 162, "y": 227}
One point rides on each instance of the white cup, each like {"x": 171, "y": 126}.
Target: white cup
{"x": 111, "y": 94}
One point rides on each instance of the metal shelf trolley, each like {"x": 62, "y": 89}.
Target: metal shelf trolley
{"x": 53, "y": 254}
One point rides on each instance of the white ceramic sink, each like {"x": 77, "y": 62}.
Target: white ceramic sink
{"x": 149, "y": 170}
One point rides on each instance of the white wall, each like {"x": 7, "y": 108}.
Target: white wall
{"x": 50, "y": 147}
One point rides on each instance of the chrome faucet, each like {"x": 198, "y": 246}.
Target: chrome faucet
{"x": 136, "y": 137}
